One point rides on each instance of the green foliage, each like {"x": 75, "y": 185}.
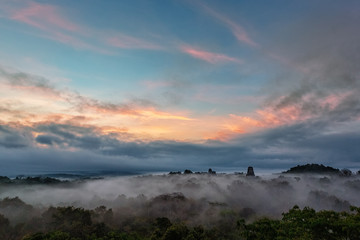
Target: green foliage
{"x": 50, "y": 236}
{"x": 351, "y": 224}
{"x": 69, "y": 223}
{"x": 161, "y": 225}
{"x": 197, "y": 233}
{"x": 58, "y": 235}
{"x": 307, "y": 224}
{"x": 75, "y": 221}
{"x": 176, "y": 232}
{"x": 264, "y": 228}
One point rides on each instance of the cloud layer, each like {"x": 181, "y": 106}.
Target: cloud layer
{"x": 206, "y": 87}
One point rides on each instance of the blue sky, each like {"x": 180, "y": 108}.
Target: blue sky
{"x": 138, "y": 84}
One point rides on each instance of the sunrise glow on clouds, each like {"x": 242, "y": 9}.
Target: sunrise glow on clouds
{"x": 210, "y": 57}
{"x": 208, "y": 79}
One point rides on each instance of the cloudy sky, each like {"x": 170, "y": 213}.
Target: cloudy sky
{"x": 168, "y": 85}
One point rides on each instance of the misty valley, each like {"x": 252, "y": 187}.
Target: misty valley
{"x": 301, "y": 203}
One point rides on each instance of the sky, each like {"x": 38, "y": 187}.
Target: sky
{"x": 168, "y": 85}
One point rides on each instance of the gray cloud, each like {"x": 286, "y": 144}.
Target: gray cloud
{"x": 321, "y": 49}
{"x": 21, "y": 79}
{"x": 13, "y": 138}
{"x": 77, "y": 101}
{"x": 313, "y": 141}
{"x": 281, "y": 147}
{"x": 48, "y": 140}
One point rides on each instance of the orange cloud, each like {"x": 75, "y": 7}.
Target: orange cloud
{"x": 31, "y": 101}
{"x": 144, "y": 122}
{"x": 269, "y": 117}
{"x": 333, "y": 100}
{"x": 28, "y": 101}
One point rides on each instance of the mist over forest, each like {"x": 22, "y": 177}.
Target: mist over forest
{"x": 190, "y": 197}
{"x": 205, "y": 199}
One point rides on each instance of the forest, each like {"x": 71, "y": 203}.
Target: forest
{"x": 202, "y": 205}
{"x": 69, "y": 223}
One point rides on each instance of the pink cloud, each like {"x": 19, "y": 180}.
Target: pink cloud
{"x": 242, "y": 36}
{"x": 238, "y": 31}
{"x": 210, "y": 57}
{"x": 293, "y": 113}
{"x": 59, "y": 28}
{"x": 54, "y": 25}
{"x": 44, "y": 17}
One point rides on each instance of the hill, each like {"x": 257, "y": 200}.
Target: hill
{"x": 312, "y": 168}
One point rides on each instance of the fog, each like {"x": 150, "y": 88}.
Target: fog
{"x": 194, "y": 198}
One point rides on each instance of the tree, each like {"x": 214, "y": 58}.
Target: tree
{"x": 161, "y": 225}
{"x": 176, "y": 232}
{"x": 5, "y": 228}
{"x": 197, "y": 233}
{"x": 75, "y": 221}
{"x": 264, "y": 228}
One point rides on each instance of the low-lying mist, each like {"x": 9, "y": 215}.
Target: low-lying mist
{"x": 194, "y": 198}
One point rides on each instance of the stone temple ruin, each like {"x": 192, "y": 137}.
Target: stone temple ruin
{"x": 250, "y": 172}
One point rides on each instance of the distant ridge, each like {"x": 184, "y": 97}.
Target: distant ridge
{"x": 312, "y": 168}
